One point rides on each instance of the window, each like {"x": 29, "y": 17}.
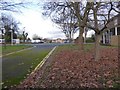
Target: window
{"x": 118, "y": 30}
{"x": 112, "y": 31}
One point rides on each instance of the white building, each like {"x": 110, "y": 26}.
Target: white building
{"x": 14, "y": 41}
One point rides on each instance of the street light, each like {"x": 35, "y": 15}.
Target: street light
{"x": 2, "y": 31}
{"x": 1, "y": 28}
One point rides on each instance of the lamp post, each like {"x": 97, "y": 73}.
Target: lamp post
{"x": 2, "y": 29}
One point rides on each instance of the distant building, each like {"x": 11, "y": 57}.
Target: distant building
{"x": 15, "y": 41}
{"x": 59, "y": 40}
{"x": 54, "y": 41}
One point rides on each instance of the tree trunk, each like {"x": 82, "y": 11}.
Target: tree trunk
{"x": 5, "y": 45}
{"x": 85, "y": 38}
{"x": 80, "y": 39}
{"x": 70, "y": 38}
{"x": 5, "y": 37}
{"x": 23, "y": 39}
{"x": 97, "y": 47}
{"x": 119, "y": 57}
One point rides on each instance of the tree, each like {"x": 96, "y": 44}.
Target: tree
{"x": 24, "y": 36}
{"x": 85, "y": 34}
{"x": 36, "y": 37}
{"x": 79, "y": 10}
{"x": 68, "y": 24}
{"x": 63, "y": 18}
{"x": 101, "y": 15}
{"x": 93, "y": 37}
{"x": 28, "y": 40}
{"x": 20, "y": 36}
{"x": 69, "y": 29}
{"x": 8, "y": 25}
{"x": 14, "y": 6}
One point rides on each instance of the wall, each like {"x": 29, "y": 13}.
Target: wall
{"x": 115, "y": 40}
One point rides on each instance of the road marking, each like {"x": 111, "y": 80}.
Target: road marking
{"x": 17, "y": 51}
{"x": 44, "y": 60}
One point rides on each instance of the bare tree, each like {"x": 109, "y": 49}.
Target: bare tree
{"x": 36, "y": 37}
{"x": 8, "y": 25}
{"x": 14, "y": 6}
{"x": 78, "y": 9}
{"x": 24, "y": 34}
{"x": 101, "y": 15}
{"x": 81, "y": 11}
{"x": 69, "y": 29}
{"x": 62, "y": 15}
{"x": 67, "y": 22}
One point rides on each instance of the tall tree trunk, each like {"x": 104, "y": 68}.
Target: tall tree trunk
{"x": 5, "y": 37}
{"x": 85, "y": 33}
{"x": 80, "y": 39}
{"x": 119, "y": 57}
{"x": 5, "y": 44}
{"x": 23, "y": 39}
{"x": 97, "y": 47}
{"x": 70, "y": 38}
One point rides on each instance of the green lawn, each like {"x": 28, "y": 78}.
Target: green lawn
{"x": 19, "y": 65}
{"x": 13, "y": 48}
{"x": 86, "y": 47}
{"x": 74, "y": 47}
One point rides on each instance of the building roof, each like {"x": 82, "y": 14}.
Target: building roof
{"x": 115, "y": 21}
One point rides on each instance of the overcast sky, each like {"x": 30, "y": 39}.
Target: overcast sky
{"x": 35, "y": 23}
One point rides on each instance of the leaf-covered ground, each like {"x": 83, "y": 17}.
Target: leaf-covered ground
{"x": 72, "y": 68}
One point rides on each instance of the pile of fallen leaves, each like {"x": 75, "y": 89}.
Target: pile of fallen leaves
{"x": 77, "y": 69}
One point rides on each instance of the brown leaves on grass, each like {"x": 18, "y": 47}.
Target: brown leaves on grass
{"x": 75, "y": 69}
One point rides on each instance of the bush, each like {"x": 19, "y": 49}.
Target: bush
{"x": 89, "y": 40}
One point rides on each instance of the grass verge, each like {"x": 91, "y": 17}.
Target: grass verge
{"x": 63, "y": 64}
{"x": 18, "y": 66}
{"x": 87, "y": 47}
{"x": 13, "y": 48}
{"x": 74, "y": 47}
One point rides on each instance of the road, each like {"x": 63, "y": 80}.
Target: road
{"x": 16, "y": 65}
